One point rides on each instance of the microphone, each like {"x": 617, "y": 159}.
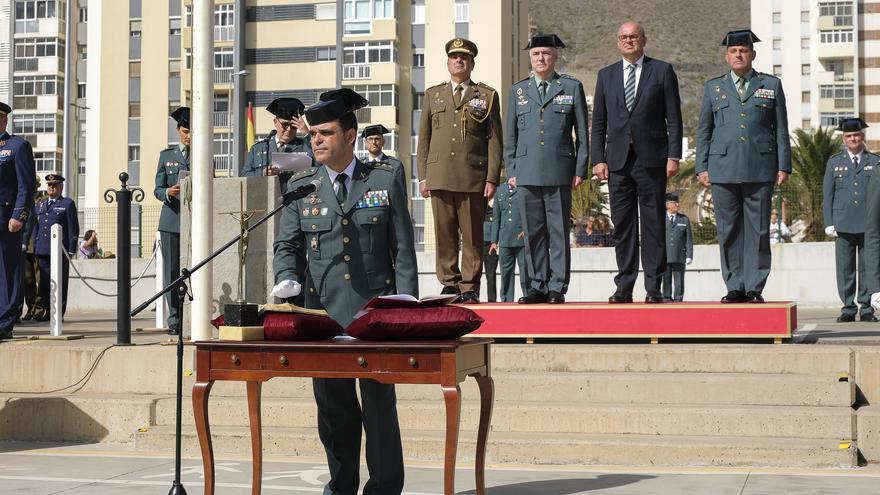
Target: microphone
{"x": 271, "y": 135}
{"x": 301, "y": 191}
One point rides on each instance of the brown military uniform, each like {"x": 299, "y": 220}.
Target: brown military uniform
{"x": 459, "y": 151}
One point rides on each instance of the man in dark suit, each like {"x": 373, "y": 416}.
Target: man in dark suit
{"x": 172, "y": 161}
{"x": 355, "y": 235}
{"x": 743, "y": 149}
{"x": 637, "y": 134}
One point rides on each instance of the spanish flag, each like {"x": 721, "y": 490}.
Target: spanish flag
{"x": 251, "y": 132}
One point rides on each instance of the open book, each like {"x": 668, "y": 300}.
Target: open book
{"x": 406, "y": 301}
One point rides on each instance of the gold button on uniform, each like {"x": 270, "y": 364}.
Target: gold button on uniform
{"x": 452, "y": 153}
{"x": 743, "y": 126}
{"x": 347, "y": 257}
{"x": 742, "y": 138}
{"x": 345, "y": 240}
{"x": 347, "y": 276}
{"x": 314, "y": 226}
{"x": 344, "y": 221}
{"x": 375, "y": 219}
{"x": 742, "y": 115}
{"x": 542, "y": 143}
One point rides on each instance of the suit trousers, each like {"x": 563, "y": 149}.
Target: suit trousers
{"x": 459, "y": 213}
{"x": 510, "y": 258}
{"x": 340, "y": 418}
{"x": 849, "y": 259}
{"x": 10, "y": 270}
{"x": 742, "y": 217}
{"x": 673, "y": 282}
{"x": 490, "y": 264}
{"x": 546, "y": 216}
{"x": 170, "y": 245}
{"x": 638, "y": 210}
{"x": 45, "y": 262}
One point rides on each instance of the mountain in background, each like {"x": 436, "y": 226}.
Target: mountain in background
{"x": 685, "y": 33}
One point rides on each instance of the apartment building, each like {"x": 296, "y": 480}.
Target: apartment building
{"x": 826, "y": 53}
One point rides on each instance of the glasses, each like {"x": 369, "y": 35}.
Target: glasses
{"x": 285, "y": 124}
{"x": 374, "y": 139}
{"x": 628, "y": 37}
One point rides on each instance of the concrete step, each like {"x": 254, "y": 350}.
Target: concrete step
{"x": 150, "y": 369}
{"x": 550, "y": 417}
{"x": 544, "y": 448}
{"x": 868, "y": 427}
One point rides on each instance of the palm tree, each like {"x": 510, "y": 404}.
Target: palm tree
{"x": 803, "y": 193}
{"x": 588, "y": 200}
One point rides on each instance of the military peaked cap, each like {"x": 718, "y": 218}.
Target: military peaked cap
{"x": 461, "y": 45}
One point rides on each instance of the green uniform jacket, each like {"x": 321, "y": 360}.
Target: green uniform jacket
{"x": 539, "y": 149}
{"x": 171, "y": 162}
{"x": 355, "y": 251}
{"x": 460, "y": 146}
{"x": 679, "y": 239}
{"x": 743, "y": 141}
{"x": 872, "y": 237}
{"x": 507, "y": 227}
{"x": 845, "y": 190}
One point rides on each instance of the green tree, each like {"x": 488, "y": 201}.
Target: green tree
{"x": 803, "y": 192}
{"x": 588, "y": 200}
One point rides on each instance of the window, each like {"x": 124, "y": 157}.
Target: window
{"x": 841, "y": 11}
{"x": 805, "y": 97}
{"x": 80, "y": 90}
{"x": 777, "y": 70}
{"x": 805, "y": 16}
{"x": 222, "y": 150}
{"x": 379, "y": 95}
{"x": 832, "y": 119}
{"x": 46, "y": 161}
{"x": 187, "y": 58}
{"x": 325, "y": 53}
{"x": 224, "y": 22}
{"x": 35, "y": 85}
{"x": 777, "y": 17}
{"x": 805, "y": 43}
{"x": 418, "y": 60}
{"x": 83, "y": 15}
{"x": 357, "y": 16}
{"x": 29, "y": 12}
{"x": 134, "y": 110}
{"x": 28, "y": 50}
{"x": 188, "y": 17}
{"x": 134, "y": 152}
{"x": 325, "y": 12}
{"x": 806, "y": 124}
{"x": 842, "y": 94}
{"x": 383, "y": 9}
{"x": 462, "y": 11}
{"x": 134, "y": 69}
{"x": 35, "y": 123}
{"x": 805, "y": 69}
{"x": 174, "y": 26}
{"x": 777, "y": 43}
{"x": 418, "y": 12}
{"x": 417, "y": 101}
{"x": 370, "y": 52}
{"x": 836, "y": 36}
{"x": 135, "y": 29}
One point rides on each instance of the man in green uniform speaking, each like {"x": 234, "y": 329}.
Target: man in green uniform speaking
{"x": 355, "y": 236}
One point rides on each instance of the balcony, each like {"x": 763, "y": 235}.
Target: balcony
{"x": 221, "y": 163}
{"x": 221, "y": 119}
{"x": 224, "y": 33}
{"x": 221, "y": 75}
{"x": 353, "y": 72}
{"x": 26, "y": 64}
{"x": 844, "y": 103}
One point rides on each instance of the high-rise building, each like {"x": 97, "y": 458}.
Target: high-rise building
{"x": 826, "y": 53}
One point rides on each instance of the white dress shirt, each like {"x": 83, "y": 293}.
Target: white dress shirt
{"x": 349, "y": 171}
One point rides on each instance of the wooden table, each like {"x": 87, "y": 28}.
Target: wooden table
{"x": 443, "y": 362}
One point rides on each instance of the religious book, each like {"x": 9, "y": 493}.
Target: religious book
{"x": 408, "y": 301}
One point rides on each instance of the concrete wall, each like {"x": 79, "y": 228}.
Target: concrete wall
{"x": 801, "y": 272}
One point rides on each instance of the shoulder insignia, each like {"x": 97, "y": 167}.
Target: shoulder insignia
{"x": 566, "y": 76}
{"x": 437, "y": 85}
{"x": 875, "y": 155}
{"x": 381, "y": 165}
{"x": 839, "y": 153}
{"x": 489, "y": 88}
{"x": 523, "y": 80}
{"x": 305, "y": 173}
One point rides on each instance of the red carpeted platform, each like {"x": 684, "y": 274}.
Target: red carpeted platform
{"x": 775, "y": 320}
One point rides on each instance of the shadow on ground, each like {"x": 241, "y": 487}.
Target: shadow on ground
{"x": 563, "y": 486}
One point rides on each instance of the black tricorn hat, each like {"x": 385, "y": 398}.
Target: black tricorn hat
{"x": 374, "y": 130}
{"x": 853, "y": 124}
{"x": 286, "y": 108}
{"x": 541, "y": 40}
{"x": 181, "y": 115}
{"x": 743, "y": 37}
{"x": 335, "y": 104}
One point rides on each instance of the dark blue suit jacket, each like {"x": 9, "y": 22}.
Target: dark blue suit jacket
{"x": 654, "y": 125}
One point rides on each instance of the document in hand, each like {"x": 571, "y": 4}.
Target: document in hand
{"x": 291, "y": 162}
{"x": 183, "y": 174}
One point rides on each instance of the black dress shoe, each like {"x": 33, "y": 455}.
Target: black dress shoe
{"x": 41, "y": 318}
{"x": 735, "y": 296}
{"x": 469, "y": 297}
{"x": 554, "y": 297}
{"x": 869, "y": 318}
{"x": 620, "y": 298}
{"x": 27, "y": 317}
{"x": 846, "y": 318}
{"x": 755, "y": 297}
{"x": 449, "y": 290}
{"x": 654, "y": 299}
{"x": 533, "y": 298}
{"x": 6, "y": 335}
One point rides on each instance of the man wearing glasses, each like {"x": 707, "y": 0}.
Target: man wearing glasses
{"x": 636, "y": 146}
{"x": 374, "y": 141}
{"x": 288, "y": 120}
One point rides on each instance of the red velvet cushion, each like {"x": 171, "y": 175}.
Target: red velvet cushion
{"x": 443, "y": 322}
{"x": 294, "y": 326}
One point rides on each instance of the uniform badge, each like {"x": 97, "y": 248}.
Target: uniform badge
{"x": 314, "y": 243}
{"x": 765, "y": 93}
{"x": 564, "y": 100}
{"x": 313, "y": 199}
{"x": 315, "y": 211}
{"x": 458, "y": 43}
{"x": 323, "y": 211}
{"x": 519, "y": 91}
{"x": 717, "y": 88}
{"x": 5, "y": 153}
{"x": 306, "y": 211}
{"x": 3, "y": 143}
{"x": 373, "y": 199}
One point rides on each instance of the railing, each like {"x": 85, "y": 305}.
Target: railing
{"x": 221, "y": 75}
{"x": 355, "y": 71}
{"x": 843, "y": 20}
{"x": 221, "y": 119}
{"x": 221, "y": 163}
{"x": 843, "y": 77}
{"x": 844, "y": 103}
{"x": 223, "y": 33}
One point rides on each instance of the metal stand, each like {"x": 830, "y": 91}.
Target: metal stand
{"x": 123, "y": 197}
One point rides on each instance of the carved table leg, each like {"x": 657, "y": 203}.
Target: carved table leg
{"x": 253, "y": 397}
{"x": 452, "y": 395}
{"x": 487, "y": 398}
{"x": 200, "y": 393}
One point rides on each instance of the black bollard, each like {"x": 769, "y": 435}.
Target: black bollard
{"x": 123, "y": 197}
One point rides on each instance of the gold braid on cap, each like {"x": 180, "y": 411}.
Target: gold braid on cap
{"x": 466, "y": 114}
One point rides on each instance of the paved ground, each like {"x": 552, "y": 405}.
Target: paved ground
{"x": 95, "y": 470}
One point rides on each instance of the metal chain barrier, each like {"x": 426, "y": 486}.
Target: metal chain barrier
{"x": 96, "y": 291}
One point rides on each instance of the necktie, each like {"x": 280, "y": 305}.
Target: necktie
{"x": 542, "y": 90}
{"x": 186, "y": 153}
{"x": 341, "y": 190}
{"x": 629, "y": 90}
{"x": 456, "y": 96}
{"x": 855, "y": 161}
{"x": 741, "y": 87}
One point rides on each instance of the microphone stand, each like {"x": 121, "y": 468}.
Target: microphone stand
{"x": 179, "y": 284}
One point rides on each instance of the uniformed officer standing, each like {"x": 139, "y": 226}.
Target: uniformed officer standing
{"x": 288, "y": 120}
{"x": 743, "y": 149}
{"x": 374, "y": 142}
{"x": 459, "y": 159}
{"x": 490, "y": 256}
{"x": 36, "y": 308}
{"x": 679, "y": 249}
{"x": 355, "y": 236}
{"x": 544, "y": 163}
{"x": 17, "y": 178}
{"x": 172, "y": 160}
{"x": 55, "y": 209}
{"x": 845, "y": 188}
{"x": 508, "y": 240}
